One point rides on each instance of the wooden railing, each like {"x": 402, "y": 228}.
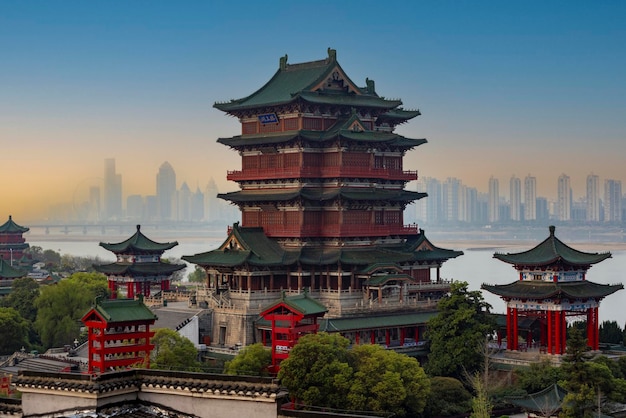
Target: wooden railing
{"x": 320, "y": 172}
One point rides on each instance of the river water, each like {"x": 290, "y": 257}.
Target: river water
{"x": 476, "y": 266}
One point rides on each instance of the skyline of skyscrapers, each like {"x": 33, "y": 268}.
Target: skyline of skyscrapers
{"x": 564, "y": 198}
{"x": 593, "y": 198}
{"x": 515, "y": 198}
{"x": 112, "y": 191}
{"x": 494, "y": 199}
{"x": 530, "y": 195}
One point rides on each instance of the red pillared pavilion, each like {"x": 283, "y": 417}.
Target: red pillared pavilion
{"x": 138, "y": 266}
{"x": 119, "y": 334}
{"x": 12, "y": 242}
{"x": 552, "y": 286}
{"x": 291, "y": 317}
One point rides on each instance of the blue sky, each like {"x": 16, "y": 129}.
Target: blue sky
{"x": 505, "y": 88}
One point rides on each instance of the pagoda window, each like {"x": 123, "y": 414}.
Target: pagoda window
{"x": 360, "y": 217}
{"x": 331, "y": 159}
{"x": 356, "y": 160}
{"x": 292, "y": 218}
{"x": 291, "y": 160}
{"x": 392, "y": 218}
{"x": 290, "y": 124}
{"x": 268, "y": 161}
{"x": 270, "y": 127}
{"x": 250, "y": 218}
{"x": 250, "y": 161}
{"x": 271, "y": 218}
{"x": 537, "y": 276}
{"x": 311, "y": 160}
{"x": 312, "y": 124}
{"x": 393, "y": 163}
{"x": 312, "y": 218}
{"x": 378, "y": 162}
{"x": 331, "y": 218}
{"x": 248, "y": 128}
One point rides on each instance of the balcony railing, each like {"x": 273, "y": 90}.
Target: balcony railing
{"x": 329, "y": 231}
{"x": 321, "y": 172}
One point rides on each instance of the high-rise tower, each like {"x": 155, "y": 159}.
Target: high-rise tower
{"x": 515, "y": 193}
{"x": 112, "y": 191}
{"x": 530, "y": 198}
{"x": 593, "y": 198}
{"x": 612, "y": 200}
{"x": 494, "y": 200}
{"x": 166, "y": 192}
{"x": 564, "y": 196}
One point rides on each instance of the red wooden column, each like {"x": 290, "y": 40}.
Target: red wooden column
{"x": 130, "y": 290}
{"x": 542, "y": 331}
{"x": 113, "y": 289}
{"x": 563, "y": 331}
{"x": 138, "y": 288}
{"x": 509, "y": 329}
{"x": 557, "y": 332}
{"x": 515, "y": 330}
{"x": 550, "y": 348}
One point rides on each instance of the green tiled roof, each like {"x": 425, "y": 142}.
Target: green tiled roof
{"x": 373, "y": 322}
{"x": 550, "y": 251}
{"x": 301, "y": 303}
{"x": 549, "y": 399}
{"x": 388, "y": 138}
{"x": 138, "y": 243}
{"x": 536, "y": 290}
{"x": 257, "y": 249}
{"x": 9, "y": 272}
{"x": 123, "y": 310}
{"x": 399, "y": 114}
{"x": 10, "y": 227}
{"x": 139, "y": 269}
{"x": 320, "y": 194}
{"x": 299, "y": 82}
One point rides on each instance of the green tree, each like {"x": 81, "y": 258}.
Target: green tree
{"x": 51, "y": 258}
{"x": 584, "y": 379}
{"x": 610, "y": 332}
{"x": 24, "y": 291}
{"x": 538, "y": 376}
{"x": 60, "y": 307}
{"x": 252, "y": 360}
{"x": 198, "y": 275}
{"x": 14, "y": 331}
{"x": 458, "y": 332}
{"x": 447, "y": 397}
{"x": 385, "y": 381}
{"x": 173, "y": 352}
{"x": 317, "y": 371}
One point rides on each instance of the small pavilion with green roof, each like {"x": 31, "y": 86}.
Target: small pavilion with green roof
{"x": 12, "y": 242}
{"x": 552, "y": 286}
{"x": 291, "y": 318}
{"x": 119, "y": 334}
{"x": 138, "y": 266}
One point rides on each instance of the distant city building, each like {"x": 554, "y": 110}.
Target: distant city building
{"x": 451, "y": 189}
{"x": 515, "y": 193}
{"x": 530, "y": 198}
{"x": 183, "y": 212}
{"x": 134, "y": 207}
{"x": 494, "y": 199}
{"x": 95, "y": 208}
{"x": 197, "y": 206}
{"x": 166, "y": 192}
{"x": 429, "y": 211}
{"x": 593, "y": 198}
{"x": 112, "y": 191}
{"x": 612, "y": 200}
{"x": 564, "y": 198}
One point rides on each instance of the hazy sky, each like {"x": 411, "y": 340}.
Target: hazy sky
{"x": 505, "y": 88}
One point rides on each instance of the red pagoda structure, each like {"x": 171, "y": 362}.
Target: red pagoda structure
{"x": 552, "y": 286}
{"x": 138, "y": 266}
{"x": 322, "y": 195}
{"x": 12, "y": 242}
{"x": 291, "y": 318}
{"x": 119, "y": 334}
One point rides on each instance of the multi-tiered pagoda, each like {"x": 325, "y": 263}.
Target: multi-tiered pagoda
{"x": 322, "y": 195}
{"x": 138, "y": 267}
{"x": 12, "y": 242}
{"x": 552, "y": 287}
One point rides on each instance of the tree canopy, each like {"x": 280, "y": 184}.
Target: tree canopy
{"x": 14, "y": 331}
{"x": 321, "y": 371}
{"x": 173, "y": 352}
{"x": 252, "y": 360}
{"x": 458, "y": 332}
{"x": 60, "y": 307}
